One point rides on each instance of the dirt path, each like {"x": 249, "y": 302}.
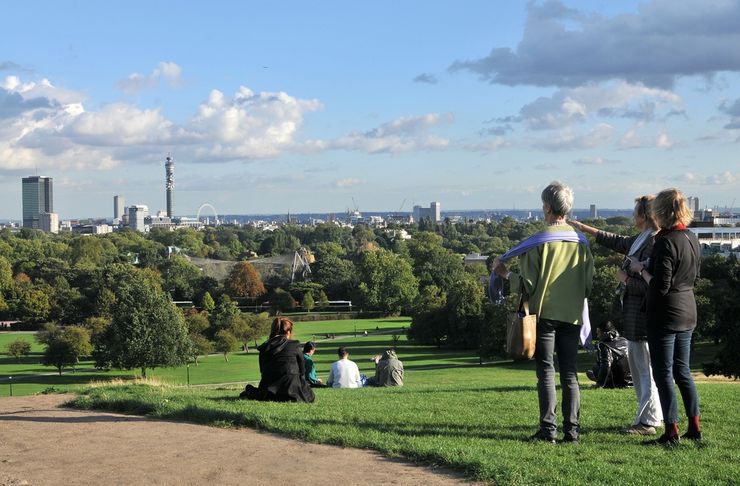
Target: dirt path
{"x": 41, "y": 444}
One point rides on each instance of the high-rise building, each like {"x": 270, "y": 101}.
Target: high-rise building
{"x": 693, "y": 203}
{"x": 136, "y": 215}
{"x": 433, "y": 212}
{"x": 49, "y": 222}
{"x": 169, "y": 167}
{"x": 37, "y": 198}
{"x": 118, "y": 205}
{"x": 593, "y": 213}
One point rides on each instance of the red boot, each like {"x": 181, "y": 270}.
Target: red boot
{"x": 694, "y": 432}
{"x": 669, "y": 437}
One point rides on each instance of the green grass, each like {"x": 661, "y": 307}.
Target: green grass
{"x": 474, "y": 419}
{"x": 452, "y": 412}
{"x": 241, "y": 367}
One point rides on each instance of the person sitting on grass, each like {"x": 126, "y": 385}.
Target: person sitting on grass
{"x": 308, "y": 351}
{"x": 344, "y": 373}
{"x": 612, "y": 368}
{"x": 388, "y": 370}
{"x": 282, "y": 368}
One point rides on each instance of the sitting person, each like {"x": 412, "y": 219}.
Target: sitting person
{"x": 344, "y": 373}
{"x": 308, "y": 351}
{"x": 612, "y": 368}
{"x": 388, "y": 370}
{"x": 282, "y": 368}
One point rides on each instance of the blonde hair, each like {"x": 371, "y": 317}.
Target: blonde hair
{"x": 642, "y": 209}
{"x": 670, "y": 208}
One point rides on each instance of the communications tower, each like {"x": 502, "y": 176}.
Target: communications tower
{"x": 169, "y": 167}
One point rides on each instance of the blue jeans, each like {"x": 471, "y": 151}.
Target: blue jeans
{"x": 561, "y": 338}
{"x": 669, "y": 357}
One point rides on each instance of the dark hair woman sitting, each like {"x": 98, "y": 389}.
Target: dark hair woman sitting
{"x": 281, "y": 366}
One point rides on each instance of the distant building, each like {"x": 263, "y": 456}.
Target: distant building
{"x": 91, "y": 229}
{"x": 169, "y": 167}
{"x": 37, "y": 198}
{"x": 49, "y": 222}
{"x": 432, "y": 213}
{"x": 136, "y": 216}
{"x": 118, "y": 208}
{"x": 592, "y": 212}
{"x": 693, "y": 203}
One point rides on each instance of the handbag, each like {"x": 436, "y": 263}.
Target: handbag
{"x": 521, "y": 331}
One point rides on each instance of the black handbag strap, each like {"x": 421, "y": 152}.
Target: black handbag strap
{"x": 523, "y": 299}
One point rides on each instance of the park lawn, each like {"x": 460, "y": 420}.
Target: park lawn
{"x": 472, "y": 418}
{"x": 30, "y": 376}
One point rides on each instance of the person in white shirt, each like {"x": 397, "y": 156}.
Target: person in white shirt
{"x": 344, "y": 373}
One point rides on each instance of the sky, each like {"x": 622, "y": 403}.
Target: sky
{"x": 270, "y": 107}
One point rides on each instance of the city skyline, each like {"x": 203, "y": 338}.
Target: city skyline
{"x": 301, "y": 108}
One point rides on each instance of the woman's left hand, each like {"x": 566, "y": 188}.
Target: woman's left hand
{"x": 622, "y": 276}
{"x": 637, "y": 267}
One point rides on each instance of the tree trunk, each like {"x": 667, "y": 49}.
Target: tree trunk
{"x": 59, "y": 368}
{"x": 143, "y": 372}
{"x": 226, "y": 357}
{"x": 246, "y": 347}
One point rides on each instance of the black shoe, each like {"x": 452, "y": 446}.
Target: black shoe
{"x": 543, "y": 437}
{"x": 572, "y": 439}
{"x": 695, "y": 436}
{"x": 664, "y": 440}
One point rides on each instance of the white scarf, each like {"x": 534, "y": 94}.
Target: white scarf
{"x": 640, "y": 241}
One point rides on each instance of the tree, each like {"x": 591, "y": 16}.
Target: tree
{"x": 59, "y": 353}
{"x": 308, "y": 302}
{"x": 387, "y": 282}
{"x": 181, "y": 277}
{"x": 18, "y": 348}
{"x": 146, "y": 330}
{"x": 78, "y": 339}
{"x": 200, "y": 346}
{"x": 222, "y": 314}
{"x": 323, "y": 301}
{"x": 207, "y": 302}
{"x": 244, "y": 282}
{"x": 281, "y": 300}
{"x": 225, "y": 343}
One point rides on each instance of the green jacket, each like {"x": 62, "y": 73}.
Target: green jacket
{"x": 311, "y": 376}
{"x": 557, "y": 276}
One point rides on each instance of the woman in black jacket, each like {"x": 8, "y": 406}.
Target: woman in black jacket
{"x": 282, "y": 368}
{"x": 671, "y": 311}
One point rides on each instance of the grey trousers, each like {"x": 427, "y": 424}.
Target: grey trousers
{"x": 561, "y": 338}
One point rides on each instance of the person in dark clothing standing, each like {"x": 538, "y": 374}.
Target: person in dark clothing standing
{"x": 671, "y": 309}
{"x": 612, "y": 368}
{"x": 282, "y": 368}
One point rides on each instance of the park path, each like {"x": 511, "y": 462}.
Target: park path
{"x": 42, "y": 444}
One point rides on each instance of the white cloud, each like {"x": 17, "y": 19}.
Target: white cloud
{"x": 721, "y": 179}
{"x": 620, "y": 99}
{"x": 167, "y": 71}
{"x": 489, "y": 145}
{"x": 400, "y": 135}
{"x": 568, "y": 139}
{"x": 348, "y": 182}
{"x": 636, "y": 137}
{"x": 594, "y": 161}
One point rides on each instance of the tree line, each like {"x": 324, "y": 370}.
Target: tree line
{"x": 72, "y": 280}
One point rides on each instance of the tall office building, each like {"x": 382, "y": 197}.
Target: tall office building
{"x": 593, "y": 213}
{"x": 169, "y": 167}
{"x": 49, "y": 222}
{"x": 432, "y": 213}
{"x": 693, "y": 203}
{"x": 136, "y": 215}
{"x": 37, "y": 198}
{"x": 436, "y": 211}
{"x": 118, "y": 205}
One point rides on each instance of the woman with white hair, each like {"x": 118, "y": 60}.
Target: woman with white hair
{"x": 555, "y": 270}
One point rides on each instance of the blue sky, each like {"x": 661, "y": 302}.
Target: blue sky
{"x": 298, "y": 106}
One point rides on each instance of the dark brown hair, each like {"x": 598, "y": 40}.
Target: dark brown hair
{"x": 642, "y": 208}
{"x": 281, "y": 326}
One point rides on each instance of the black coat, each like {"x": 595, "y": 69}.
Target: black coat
{"x": 283, "y": 372}
{"x": 674, "y": 266}
{"x": 634, "y": 317}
